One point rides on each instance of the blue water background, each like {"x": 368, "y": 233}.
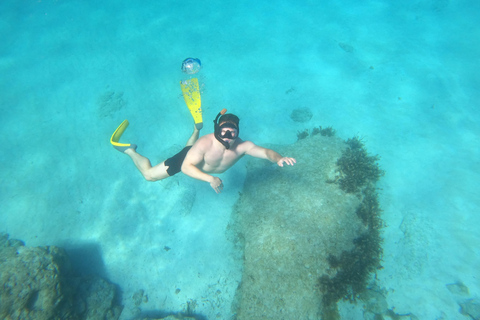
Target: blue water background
{"x": 402, "y": 76}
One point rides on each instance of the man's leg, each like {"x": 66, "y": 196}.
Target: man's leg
{"x": 143, "y": 165}
{"x": 193, "y": 137}
{"x": 159, "y": 171}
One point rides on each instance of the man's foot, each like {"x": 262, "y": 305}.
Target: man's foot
{"x": 114, "y": 140}
{"x": 122, "y": 149}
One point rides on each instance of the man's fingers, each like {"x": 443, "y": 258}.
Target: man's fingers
{"x": 289, "y": 161}
{"x": 219, "y": 188}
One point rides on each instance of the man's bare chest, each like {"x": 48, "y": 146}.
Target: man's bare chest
{"x": 218, "y": 158}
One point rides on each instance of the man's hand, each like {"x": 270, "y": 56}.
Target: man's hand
{"x": 287, "y": 160}
{"x": 217, "y": 184}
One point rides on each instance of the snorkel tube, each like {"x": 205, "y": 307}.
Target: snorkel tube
{"x": 217, "y": 129}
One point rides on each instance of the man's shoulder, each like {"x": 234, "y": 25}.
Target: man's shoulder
{"x": 205, "y": 138}
{"x": 244, "y": 146}
{"x": 244, "y": 142}
{"x": 209, "y": 136}
{"x": 204, "y": 141}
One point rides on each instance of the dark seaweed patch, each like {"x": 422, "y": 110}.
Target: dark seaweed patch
{"x": 357, "y": 168}
{"x": 359, "y": 172}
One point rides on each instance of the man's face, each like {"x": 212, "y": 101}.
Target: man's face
{"x": 228, "y": 134}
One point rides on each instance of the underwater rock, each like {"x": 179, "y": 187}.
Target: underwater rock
{"x": 6, "y": 242}
{"x": 138, "y": 297}
{"x": 375, "y": 302}
{"x": 109, "y": 103}
{"x": 38, "y": 283}
{"x": 471, "y": 308}
{"x": 289, "y": 222}
{"x": 31, "y": 284}
{"x": 94, "y": 298}
{"x": 171, "y": 317}
{"x": 346, "y": 47}
{"x": 458, "y": 288}
{"x": 301, "y": 115}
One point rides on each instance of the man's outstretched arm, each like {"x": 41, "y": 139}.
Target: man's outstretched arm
{"x": 268, "y": 154}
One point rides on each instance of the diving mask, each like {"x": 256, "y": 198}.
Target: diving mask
{"x": 225, "y": 121}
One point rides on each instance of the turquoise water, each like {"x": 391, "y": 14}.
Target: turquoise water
{"x": 403, "y": 76}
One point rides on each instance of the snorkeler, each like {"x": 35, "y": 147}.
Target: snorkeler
{"x": 211, "y": 154}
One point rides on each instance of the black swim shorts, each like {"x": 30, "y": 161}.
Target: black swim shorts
{"x": 175, "y": 163}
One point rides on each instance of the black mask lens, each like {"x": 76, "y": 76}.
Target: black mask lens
{"x": 228, "y": 134}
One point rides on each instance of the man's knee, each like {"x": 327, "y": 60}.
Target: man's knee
{"x": 149, "y": 176}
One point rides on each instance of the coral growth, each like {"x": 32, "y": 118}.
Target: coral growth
{"x": 302, "y": 134}
{"x": 325, "y": 132}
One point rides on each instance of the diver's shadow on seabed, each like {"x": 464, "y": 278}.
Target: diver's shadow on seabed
{"x": 86, "y": 259}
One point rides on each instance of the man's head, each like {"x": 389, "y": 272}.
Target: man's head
{"x": 226, "y": 127}
{"x": 228, "y": 124}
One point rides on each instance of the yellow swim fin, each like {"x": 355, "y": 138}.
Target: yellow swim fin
{"x": 191, "y": 94}
{"x": 116, "y": 137}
